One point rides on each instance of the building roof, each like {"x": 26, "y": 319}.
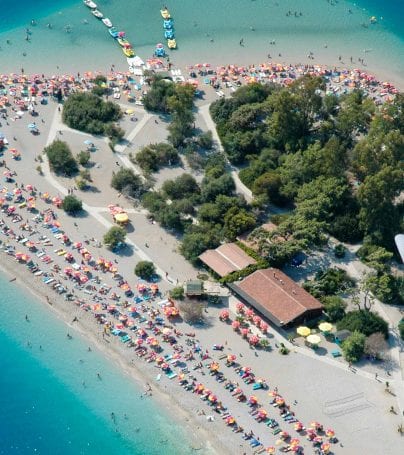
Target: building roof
{"x": 194, "y": 287}
{"x": 226, "y": 258}
{"x": 276, "y": 296}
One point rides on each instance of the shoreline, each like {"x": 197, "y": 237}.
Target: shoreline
{"x": 203, "y": 438}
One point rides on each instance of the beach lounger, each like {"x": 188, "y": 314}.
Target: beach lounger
{"x": 125, "y": 338}
{"x": 171, "y": 374}
{"x": 277, "y": 431}
{"x": 336, "y": 353}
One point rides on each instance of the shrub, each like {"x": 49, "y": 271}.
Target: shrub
{"x": 155, "y": 156}
{"x": 83, "y": 157}
{"x": 72, "y": 205}
{"x": 328, "y": 282}
{"x": 127, "y": 182}
{"x": 114, "y": 237}
{"x": 177, "y": 293}
{"x": 85, "y": 175}
{"x": 334, "y": 307}
{"x": 365, "y": 322}
{"x": 183, "y": 186}
{"x": 145, "y": 269}
{"x": 205, "y": 140}
{"x": 60, "y": 158}
{"x": 353, "y": 347}
{"x": 90, "y": 113}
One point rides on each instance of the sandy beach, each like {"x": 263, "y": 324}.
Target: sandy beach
{"x": 313, "y": 394}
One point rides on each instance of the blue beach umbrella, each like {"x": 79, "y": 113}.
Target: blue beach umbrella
{"x": 32, "y": 126}
{"x": 88, "y": 142}
{"x": 2, "y": 136}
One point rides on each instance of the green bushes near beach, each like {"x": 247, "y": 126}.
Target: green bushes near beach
{"x": 72, "y": 205}
{"x": 145, "y": 270}
{"x": 90, "y": 113}
{"x": 363, "y": 321}
{"x": 329, "y": 282}
{"x": 114, "y": 237}
{"x": 128, "y": 183}
{"x": 353, "y": 347}
{"x": 335, "y": 161}
{"x": 155, "y": 156}
{"x": 61, "y": 159}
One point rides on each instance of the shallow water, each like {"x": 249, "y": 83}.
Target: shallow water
{"x": 46, "y": 409}
{"x": 207, "y": 32}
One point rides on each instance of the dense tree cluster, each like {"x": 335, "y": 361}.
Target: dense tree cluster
{"x": 114, "y": 237}
{"x": 90, "y": 113}
{"x": 128, "y": 183}
{"x": 336, "y": 162}
{"x": 60, "y": 158}
{"x": 155, "y": 156}
{"x": 174, "y": 99}
{"x": 72, "y": 205}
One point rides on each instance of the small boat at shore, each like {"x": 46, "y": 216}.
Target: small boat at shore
{"x": 159, "y": 51}
{"x": 107, "y": 22}
{"x": 165, "y": 14}
{"x": 168, "y": 24}
{"x": 90, "y": 4}
{"x": 97, "y": 14}
{"x": 113, "y": 32}
{"x": 128, "y": 51}
{"x": 123, "y": 41}
{"x": 172, "y": 44}
{"x": 169, "y": 34}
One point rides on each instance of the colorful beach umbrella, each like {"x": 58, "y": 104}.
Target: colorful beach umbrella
{"x": 313, "y": 339}
{"x": 325, "y": 327}
{"x": 303, "y": 331}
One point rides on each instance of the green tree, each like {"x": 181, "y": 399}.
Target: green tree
{"x": 154, "y": 156}
{"x": 114, "y": 237}
{"x": 213, "y": 187}
{"x": 268, "y": 185}
{"x": 72, "y": 205}
{"x": 83, "y": 157}
{"x": 363, "y": 321}
{"x": 177, "y": 293}
{"x": 197, "y": 239}
{"x": 87, "y": 112}
{"x": 145, "y": 270}
{"x": 205, "y": 140}
{"x": 61, "y": 159}
{"x": 329, "y": 282}
{"x": 183, "y": 186}
{"x": 127, "y": 182}
{"x": 380, "y": 216}
{"x": 237, "y": 221}
{"x": 334, "y": 307}
{"x": 353, "y": 347}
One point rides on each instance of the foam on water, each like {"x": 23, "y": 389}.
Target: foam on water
{"x": 46, "y": 409}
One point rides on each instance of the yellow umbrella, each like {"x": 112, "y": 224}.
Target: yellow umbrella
{"x": 121, "y": 217}
{"x": 325, "y": 327}
{"x": 129, "y": 111}
{"x": 313, "y": 339}
{"x": 303, "y": 331}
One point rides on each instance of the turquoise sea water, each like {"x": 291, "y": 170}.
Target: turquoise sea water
{"x": 207, "y": 31}
{"x": 46, "y": 409}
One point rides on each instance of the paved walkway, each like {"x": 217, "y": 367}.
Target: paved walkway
{"x": 96, "y": 212}
{"x": 240, "y": 187}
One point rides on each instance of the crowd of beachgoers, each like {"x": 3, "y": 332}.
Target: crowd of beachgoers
{"x": 32, "y": 233}
{"x": 202, "y": 75}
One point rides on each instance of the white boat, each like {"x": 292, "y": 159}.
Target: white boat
{"x": 90, "y": 4}
{"x": 97, "y": 14}
{"x": 107, "y": 22}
